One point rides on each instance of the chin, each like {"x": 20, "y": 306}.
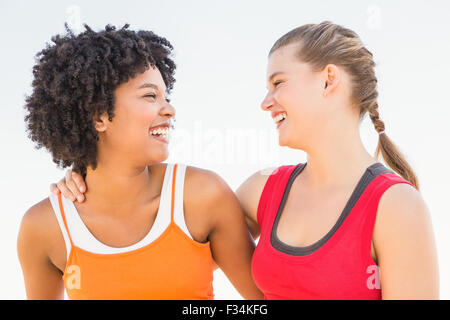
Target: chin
{"x": 158, "y": 157}
{"x": 283, "y": 141}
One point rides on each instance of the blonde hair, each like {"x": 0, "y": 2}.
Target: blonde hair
{"x": 327, "y": 43}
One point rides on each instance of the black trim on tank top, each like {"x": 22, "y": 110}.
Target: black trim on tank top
{"x": 369, "y": 175}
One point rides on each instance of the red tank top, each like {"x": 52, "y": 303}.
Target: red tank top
{"x": 338, "y": 266}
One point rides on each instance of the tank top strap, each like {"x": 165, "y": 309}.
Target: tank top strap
{"x": 178, "y": 208}
{"x": 272, "y": 194}
{"x": 58, "y": 208}
{"x": 172, "y": 188}
{"x": 385, "y": 179}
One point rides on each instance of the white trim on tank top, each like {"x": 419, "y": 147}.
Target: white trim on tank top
{"x": 84, "y": 239}
{"x": 178, "y": 208}
{"x": 55, "y": 204}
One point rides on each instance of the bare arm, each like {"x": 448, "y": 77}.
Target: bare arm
{"x": 249, "y": 194}
{"x": 405, "y": 246}
{"x": 231, "y": 244}
{"x": 43, "y": 280}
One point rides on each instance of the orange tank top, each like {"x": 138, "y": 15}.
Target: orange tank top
{"x": 166, "y": 264}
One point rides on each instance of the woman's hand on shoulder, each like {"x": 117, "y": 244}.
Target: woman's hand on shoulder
{"x": 72, "y": 186}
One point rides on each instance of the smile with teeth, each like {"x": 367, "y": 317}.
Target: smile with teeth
{"x": 279, "y": 117}
{"x": 160, "y": 132}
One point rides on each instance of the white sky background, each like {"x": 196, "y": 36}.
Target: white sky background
{"x": 221, "y": 53}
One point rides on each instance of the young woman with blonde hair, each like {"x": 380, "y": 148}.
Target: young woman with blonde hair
{"x": 329, "y": 225}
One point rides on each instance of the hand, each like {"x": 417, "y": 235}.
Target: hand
{"x": 72, "y": 186}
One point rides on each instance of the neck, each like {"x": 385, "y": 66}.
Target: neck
{"x": 337, "y": 158}
{"x": 115, "y": 183}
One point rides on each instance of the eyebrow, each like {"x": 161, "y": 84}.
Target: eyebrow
{"x": 149, "y": 85}
{"x": 273, "y": 75}
{"x": 154, "y": 86}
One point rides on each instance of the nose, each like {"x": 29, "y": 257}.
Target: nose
{"x": 267, "y": 103}
{"x": 168, "y": 111}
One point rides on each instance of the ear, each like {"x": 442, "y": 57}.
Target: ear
{"x": 101, "y": 122}
{"x": 331, "y": 77}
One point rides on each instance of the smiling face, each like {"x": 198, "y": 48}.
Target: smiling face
{"x": 295, "y": 97}
{"x": 139, "y": 130}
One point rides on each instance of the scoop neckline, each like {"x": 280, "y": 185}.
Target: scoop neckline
{"x": 137, "y": 245}
{"x": 302, "y": 251}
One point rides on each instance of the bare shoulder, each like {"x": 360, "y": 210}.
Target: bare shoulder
{"x": 402, "y": 203}
{"x": 256, "y": 181}
{"x": 204, "y": 186}
{"x": 402, "y": 215}
{"x": 39, "y": 231}
{"x": 38, "y": 244}
{"x": 249, "y": 192}
{"x": 205, "y": 195}
{"x": 38, "y": 219}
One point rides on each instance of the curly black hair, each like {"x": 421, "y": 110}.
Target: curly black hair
{"x": 74, "y": 81}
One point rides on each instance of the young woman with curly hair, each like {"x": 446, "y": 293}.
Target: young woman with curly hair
{"x": 147, "y": 230}
{"x": 341, "y": 225}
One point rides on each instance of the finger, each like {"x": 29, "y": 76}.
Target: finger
{"x": 70, "y": 184}
{"x": 65, "y": 191}
{"x": 79, "y": 181}
{"x": 68, "y": 175}
{"x": 54, "y": 189}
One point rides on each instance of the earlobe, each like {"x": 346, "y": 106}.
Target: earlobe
{"x": 100, "y": 123}
{"x": 326, "y": 88}
{"x": 331, "y": 78}
{"x": 99, "y": 126}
